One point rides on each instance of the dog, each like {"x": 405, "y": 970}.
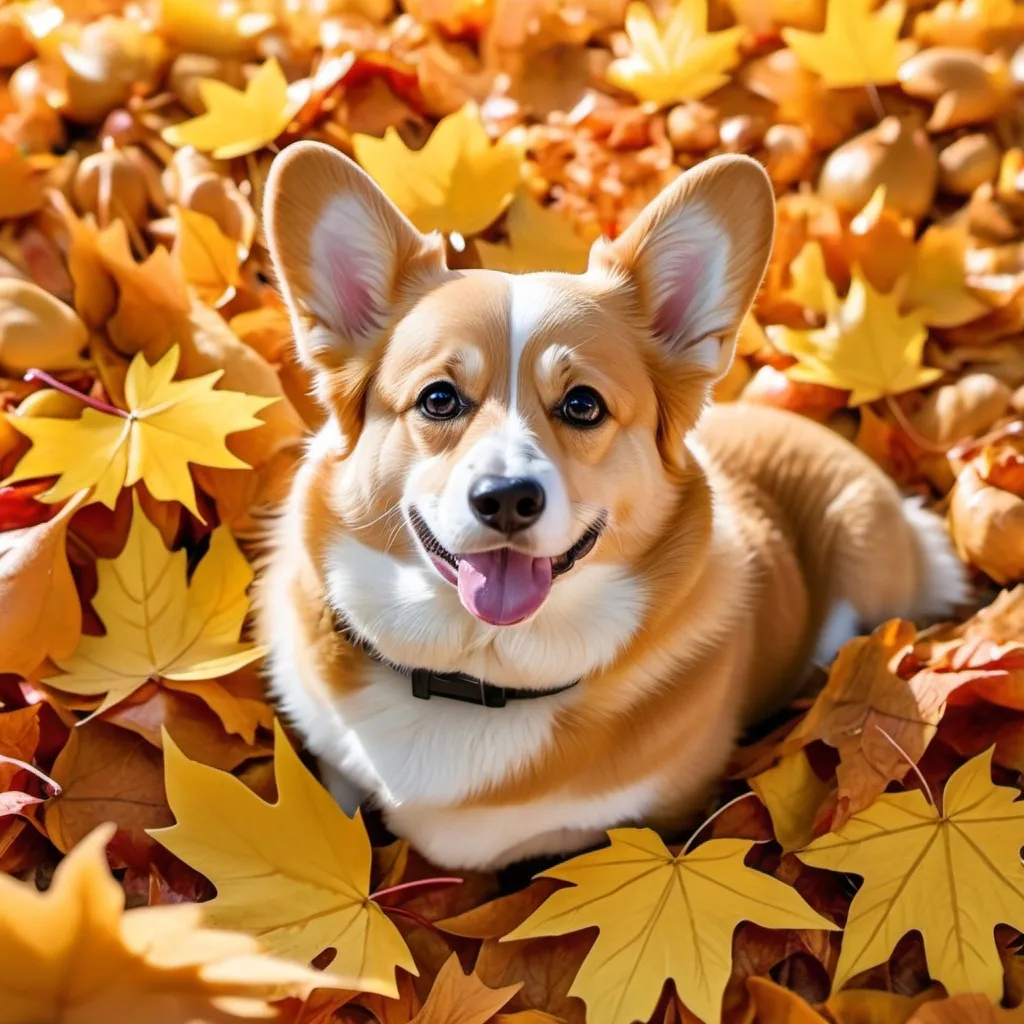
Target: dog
{"x": 528, "y": 584}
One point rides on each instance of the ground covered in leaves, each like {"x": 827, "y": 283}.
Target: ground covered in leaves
{"x": 862, "y": 863}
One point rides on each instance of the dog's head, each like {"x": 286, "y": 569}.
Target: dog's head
{"x": 502, "y": 433}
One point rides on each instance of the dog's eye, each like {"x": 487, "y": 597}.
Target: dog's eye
{"x": 582, "y": 407}
{"x": 440, "y": 401}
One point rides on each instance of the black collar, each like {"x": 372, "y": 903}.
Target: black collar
{"x": 427, "y": 683}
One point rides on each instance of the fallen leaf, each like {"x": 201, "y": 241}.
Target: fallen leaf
{"x": 105, "y": 774}
{"x": 169, "y": 424}
{"x": 159, "y": 623}
{"x": 41, "y": 614}
{"x": 458, "y": 998}
{"x": 37, "y": 331}
{"x": 863, "y": 1006}
{"x": 858, "y": 47}
{"x": 235, "y": 122}
{"x": 774, "y": 1004}
{"x": 937, "y": 286}
{"x": 951, "y": 875}
{"x": 874, "y": 718}
{"x": 539, "y": 238}
{"x": 196, "y": 730}
{"x": 678, "y": 60}
{"x": 208, "y": 258}
{"x": 295, "y": 872}
{"x": 792, "y": 792}
{"x": 811, "y": 287}
{"x": 73, "y": 953}
{"x": 458, "y": 182}
{"x": 21, "y": 186}
{"x": 661, "y": 917}
{"x": 974, "y": 1008}
{"x": 867, "y": 346}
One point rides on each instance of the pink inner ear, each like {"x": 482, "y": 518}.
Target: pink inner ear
{"x": 674, "y": 296}
{"x": 353, "y": 296}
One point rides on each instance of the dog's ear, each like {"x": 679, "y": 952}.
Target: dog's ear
{"x": 695, "y": 258}
{"x": 344, "y": 256}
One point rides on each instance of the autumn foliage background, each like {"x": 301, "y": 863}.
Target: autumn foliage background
{"x": 153, "y": 411}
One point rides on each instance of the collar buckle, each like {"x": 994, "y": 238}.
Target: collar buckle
{"x": 456, "y": 686}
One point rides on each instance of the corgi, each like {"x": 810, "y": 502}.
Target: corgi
{"x": 529, "y": 583}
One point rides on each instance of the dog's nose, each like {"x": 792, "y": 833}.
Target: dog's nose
{"x": 507, "y": 503}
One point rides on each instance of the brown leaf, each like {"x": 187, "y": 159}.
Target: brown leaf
{"x": 191, "y": 724}
{"x": 866, "y": 709}
{"x": 107, "y": 774}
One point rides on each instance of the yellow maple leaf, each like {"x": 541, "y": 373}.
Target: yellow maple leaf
{"x": 811, "y": 287}
{"x": 539, "y": 238}
{"x": 168, "y": 424}
{"x": 858, "y": 47}
{"x": 458, "y": 182}
{"x": 952, "y": 876}
{"x": 296, "y": 872}
{"x": 679, "y": 60}
{"x": 661, "y": 917}
{"x": 73, "y": 953}
{"x": 936, "y": 285}
{"x": 208, "y": 258}
{"x": 235, "y": 122}
{"x": 159, "y": 623}
{"x": 867, "y": 346}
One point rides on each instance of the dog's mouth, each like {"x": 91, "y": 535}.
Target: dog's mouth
{"x": 502, "y": 586}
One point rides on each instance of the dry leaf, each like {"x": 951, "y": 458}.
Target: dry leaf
{"x": 677, "y": 60}
{"x": 458, "y": 998}
{"x": 208, "y": 258}
{"x": 458, "y": 182}
{"x": 40, "y": 614}
{"x": 858, "y": 47}
{"x": 71, "y": 953}
{"x": 539, "y": 238}
{"x": 874, "y": 718}
{"x": 937, "y": 287}
{"x": 21, "y": 188}
{"x": 37, "y": 331}
{"x": 159, "y": 623}
{"x": 169, "y": 424}
{"x": 867, "y": 346}
{"x": 295, "y": 872}
{"x": 951, "y": 875}
{"x": 661, "y": 917}
{"x": 792, "y": 792}
{"x": 106, "y": 774}
{"x": 236, "y": 123}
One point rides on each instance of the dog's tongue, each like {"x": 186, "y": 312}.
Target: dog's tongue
{"x": 502, "y": 587}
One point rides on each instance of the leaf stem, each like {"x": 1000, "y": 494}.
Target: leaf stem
{"x": 721, "y": 810}
{"x": 911, "y": 431}
{"x": 913, "y": 766}
{"x": 66, "y": 389}
{"x": 4, "y": 759}
{"x": 418, "y": 884}
{"x": 876, "y": 101}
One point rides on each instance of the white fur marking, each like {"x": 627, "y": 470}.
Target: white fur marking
{"x": 530, "y": 298}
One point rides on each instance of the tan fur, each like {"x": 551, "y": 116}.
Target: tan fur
{"x": 742, "y": 533}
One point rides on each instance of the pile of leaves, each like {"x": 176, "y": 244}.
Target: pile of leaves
{"x": 862, "y": 861}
